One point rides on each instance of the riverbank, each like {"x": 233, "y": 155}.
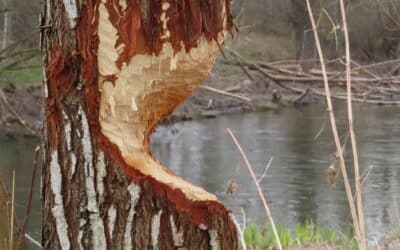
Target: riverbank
{"x": 227, "y": 90}
{"x": 256, "y": 73}
{"x": 234, "y": 85}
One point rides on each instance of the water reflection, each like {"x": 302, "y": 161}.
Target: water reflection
{"x": 297, "y": 185}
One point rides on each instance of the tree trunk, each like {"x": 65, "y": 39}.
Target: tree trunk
{"x": 114, "y": 69}
{"x": 6, "y": 26}
{"x": 304, "y": 44}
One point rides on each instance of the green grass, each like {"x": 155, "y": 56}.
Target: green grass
{"x": 265, "y": 105}
{"x": 397, "y": 232}
{"x": 303, "y": 234}
{"x": 25, "y": 75}
{"x": 227, "y": 68}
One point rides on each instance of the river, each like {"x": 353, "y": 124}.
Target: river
{"x": 296, "y": 185}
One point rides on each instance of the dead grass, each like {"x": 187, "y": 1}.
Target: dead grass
{"x": 4, "y": 211}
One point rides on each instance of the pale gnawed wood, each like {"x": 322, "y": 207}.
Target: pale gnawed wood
{"x": 113, "y": 71}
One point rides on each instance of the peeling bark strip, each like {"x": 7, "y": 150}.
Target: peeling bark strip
{"x": 112, "y": 217}
{"x": 155, "y": 230}
{"x": 72, "y": 12}
{"x": 58, "y": 208}
{"x": 95, "y": 222}
{"x": 214, "y": 241}
{"x": 177, "y": 235}
{"x": 134, "y": 192}
{"x": 114, "y": 69}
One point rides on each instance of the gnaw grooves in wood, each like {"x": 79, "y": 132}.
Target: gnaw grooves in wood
{"x": 110, "y": 80}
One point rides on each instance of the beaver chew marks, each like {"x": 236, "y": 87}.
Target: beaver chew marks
{"x": 153, "y": 79}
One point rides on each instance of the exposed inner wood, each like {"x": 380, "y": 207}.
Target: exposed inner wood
{"x": 144, "y": 90}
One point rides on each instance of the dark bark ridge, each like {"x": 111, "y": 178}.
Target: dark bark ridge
{"x": 92, "y": 198}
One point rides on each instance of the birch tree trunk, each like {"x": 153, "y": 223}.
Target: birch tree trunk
{"x": 304, "y": 44}
{"x": 114, "y": 69}
{"x": 6, "y": 25}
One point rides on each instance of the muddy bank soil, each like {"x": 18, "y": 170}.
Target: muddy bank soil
{"x": 233, "y": 91}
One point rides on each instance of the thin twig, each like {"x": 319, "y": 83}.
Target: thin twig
{"x": 260, "y": 193}
{"x": 17, "y": 116}
{"x": 361, "y": 100}
{"x": 347, "y": 186}
{"x": 281, "y": 74}
{"x": 29, "y": 205}
{"x": 16, "y": 44}
{"x": 302, "y": 96}
{"x": 266, "y": 170}
{"x": 322, "y": 127}
{"x": 244, "y": 220}
{"x": 373, "y": 65}
{"x": 366, "y": 70}
{"x": 240, "y": 232}
{"x": 365, "y": 175}
{"x": 278, "y": 80}
{"x": 12, "y": 211}
{"x": 239, "y": 97}
{"x": 35, "y": 242}
{"x": 246, "y": 71}
{"x": 362, "y": 243}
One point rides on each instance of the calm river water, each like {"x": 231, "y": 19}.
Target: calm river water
{"x": 296, "y": 185}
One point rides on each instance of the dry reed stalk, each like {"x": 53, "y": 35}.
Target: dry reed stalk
{"x": 221, "y": 92}
{"x": 29, "y": 205}
{"x": 4, "y": 217}
{"x": 346, "y": 181}
{"x": 266, "y": 170}
{"x": 33, "y": 241}
{"x": 21, "y": 121}
{"x": 361, "y": 224}
{"x": 260, "y": 193}
{"x": 240, "y": 232}
{"x": 364, "y": 176}
{"x": 12, "y": 211}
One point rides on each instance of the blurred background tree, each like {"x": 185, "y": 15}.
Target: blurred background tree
{"x": 374, "y": 26}
{"x": 280, "y": 29}
{"x": 20, "y": 17}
